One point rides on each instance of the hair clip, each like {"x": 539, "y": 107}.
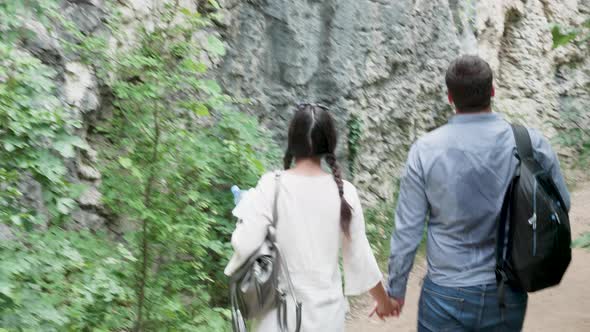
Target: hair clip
{"x": 303, "y": 105}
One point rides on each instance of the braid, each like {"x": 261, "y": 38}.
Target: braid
{"x": 345, "y": 209}
{"x": 287, "y": 160}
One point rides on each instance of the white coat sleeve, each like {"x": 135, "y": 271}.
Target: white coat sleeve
{"x": 361, "y": 272}
{"x": 254, "y": 213}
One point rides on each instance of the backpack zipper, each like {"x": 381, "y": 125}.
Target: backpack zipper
{"x": 556, "y": 214}
{"x": 533, "y": 219}
{"x": 533, "y": 222}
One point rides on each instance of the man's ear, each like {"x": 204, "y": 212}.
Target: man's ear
{"x": 493, "y": 91}
{"x": 451, "y": 97}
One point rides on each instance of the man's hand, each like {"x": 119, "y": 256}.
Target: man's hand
{"x": 401, "y": 303}
{"x": 388, "y": 308}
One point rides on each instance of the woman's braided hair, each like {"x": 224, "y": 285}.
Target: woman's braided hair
{"x": 312, "y": 133}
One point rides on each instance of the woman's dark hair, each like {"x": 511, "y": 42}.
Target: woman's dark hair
{"x": 312, "y": 133}
{"x": 469, "y": 81}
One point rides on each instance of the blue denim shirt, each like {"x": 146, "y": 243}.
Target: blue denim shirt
{"x": 456, "y": 177}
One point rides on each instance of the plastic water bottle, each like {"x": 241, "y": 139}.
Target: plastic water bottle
{"x": 237, "y": 194}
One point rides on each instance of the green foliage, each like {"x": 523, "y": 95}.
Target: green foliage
{"x": 560, "y": 38}
{"x": 582, "y": 241}
{"x": 63, "y": 281}
{"x": 379, "y": 226}
{"x": 355, "y": 132}
{"x": 35, "y": 130}
{"x": 57, "y": 280}
{"x": 9, "y": 195}
{"x": 174, "y": 149}
{"x": 563, "y": 36}
{"x": 575, "y": 136}
{"x": 13, "y": 13}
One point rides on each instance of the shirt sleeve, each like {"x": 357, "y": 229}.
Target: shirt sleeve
{"x": 254, "y": 213}
{"x": 544, "y": 154}
{"x": 410, "y": 217}
{"x": 361, "y": 272}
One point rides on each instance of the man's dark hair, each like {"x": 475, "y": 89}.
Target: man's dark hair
{"x": 469, "y": 80}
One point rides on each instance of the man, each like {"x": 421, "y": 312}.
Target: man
{"x": 456, "y": 177}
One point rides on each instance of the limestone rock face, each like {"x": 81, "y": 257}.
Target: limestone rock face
{"x": 80, "y": 88}
{"x": 384, "y": 61}
{"x": 381, "y": 61}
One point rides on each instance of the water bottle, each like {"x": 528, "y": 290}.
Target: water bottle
{"x": 235, "y": 190}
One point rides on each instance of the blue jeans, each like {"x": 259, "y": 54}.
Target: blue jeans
{"x": 475, "y": 308}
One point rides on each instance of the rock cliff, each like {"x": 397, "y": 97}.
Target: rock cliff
{"x": 379, "y": 62}
{"x": 384, "y": 62}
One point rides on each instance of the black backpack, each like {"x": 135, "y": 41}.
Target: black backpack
{"x": 534, "y": 238}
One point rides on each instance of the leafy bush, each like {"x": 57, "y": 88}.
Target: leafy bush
{"x": 169, "y": 155}
{"x": 355, "y": 131}
{"x": 35, "y": 130}
{"x": 59, "y": 280}
{"x": 379, "y": 222}
{"x": 173, "y": 149}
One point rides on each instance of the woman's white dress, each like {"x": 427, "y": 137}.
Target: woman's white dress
{"x": 311, "y": 239}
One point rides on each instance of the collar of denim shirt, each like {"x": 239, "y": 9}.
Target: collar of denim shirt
{"x": 477, "y": 117}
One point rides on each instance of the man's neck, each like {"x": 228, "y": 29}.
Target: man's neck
{"x": 487, "y": 110}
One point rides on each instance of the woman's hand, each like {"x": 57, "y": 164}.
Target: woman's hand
{"x": 386, "y": 308}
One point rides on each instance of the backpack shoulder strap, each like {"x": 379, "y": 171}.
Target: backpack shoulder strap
{"x": 275, "y": 212}
{"x": 523, "y": 141}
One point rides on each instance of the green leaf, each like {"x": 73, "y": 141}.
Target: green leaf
{"x": 193, "y": 66}
{"x": 582, "y": 242}
{"x": 8, "y": 147}
{"x": 16, "y": 220}
{"x": 185, "y": 11}
{"x": 215, "y": 46}
{"x": 258, "y": 164}
{"x": 52, "y": 315}
{"x": 215, "y": 4}
{"x": 201, "y": 110}
{"x": 126, "y": 253}
{"x": 212, "y": 87}
{"x": 6, "y": 289}
{"x": 559, "y": 38}
{"x": 65, "y": 145}
{"x": 65, "y": 205}
{"x": 125, "y": 162}
{"x": 137, "y": 173}
{"x": 73, "y": 254}
{"x": 76, "y": 190}
{"x": 50, "y": 166}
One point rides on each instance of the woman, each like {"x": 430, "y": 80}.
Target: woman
{"x": 319, "y": 216}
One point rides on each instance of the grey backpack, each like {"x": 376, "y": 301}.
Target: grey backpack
{"x": 254, "y": 287}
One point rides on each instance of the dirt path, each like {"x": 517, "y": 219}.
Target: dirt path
{"x": 564, "y": 308}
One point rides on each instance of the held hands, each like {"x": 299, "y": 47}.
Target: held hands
{"x": 387, "y": 308}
